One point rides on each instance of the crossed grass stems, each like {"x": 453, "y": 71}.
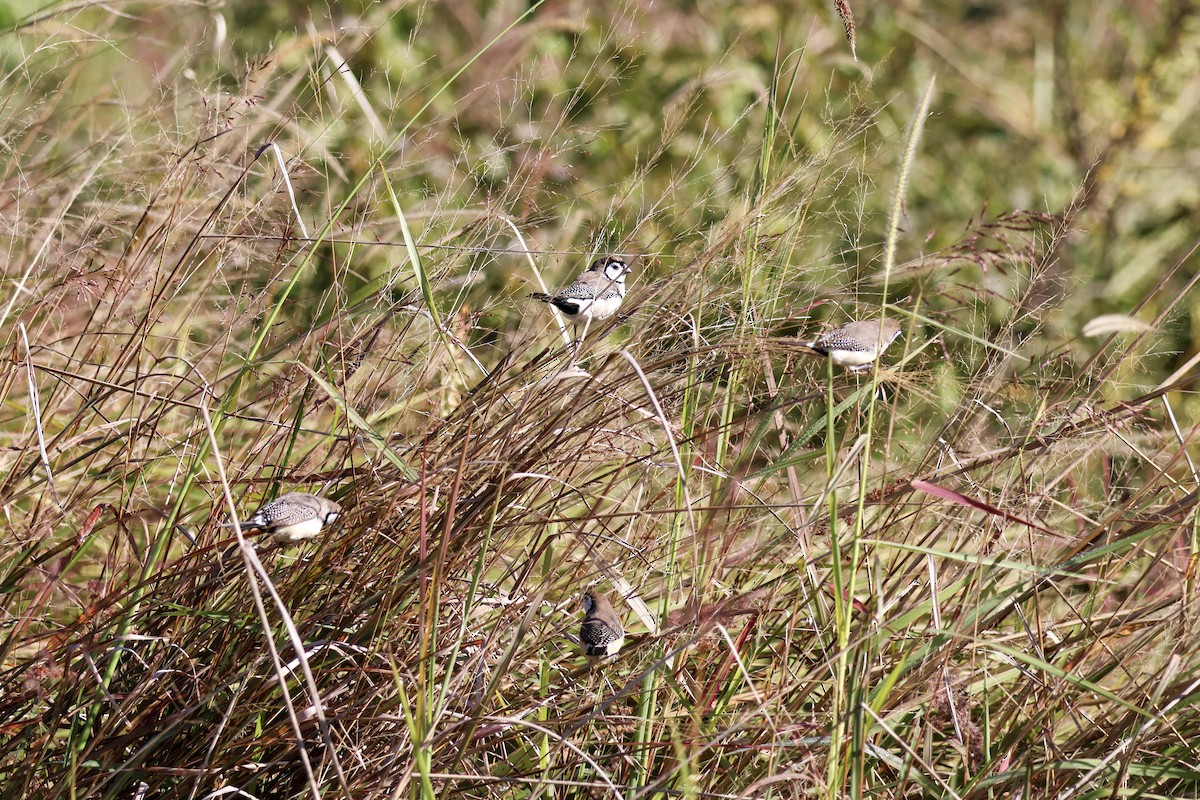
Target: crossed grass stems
{"x": 483, "y": 484}
{"x": 821, "y": 624}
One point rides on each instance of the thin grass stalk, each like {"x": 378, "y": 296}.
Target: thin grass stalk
{"x": 341, "y": 66}
{"x": 52, "y": 226}
{"x": 854, "y": 710}
{"x": 418, "y": 716}
{"x": 966, "y": 336}
{"x": 1193, "y": 541}
{"x": 431, "y": 699}
{"x": 859, "y": 728}
{"x": 158, "y": 546}
{"x": 723, "y": 444}
{"x": 358, "y": 421}
{"x": 661, "y": 416}
{"x": 477, "y": 575}
{"x": 915, "y": 758}
{"x": 584, "y": 759}
{"x": 537, "y": 275}
{"x": 767, "y": 141}
{"x": 912, "y": 140}
{"x": 852, "y": 400}
{"x": 35, "y": 411}
{"x": 677, "y": 529}
{"x": 442, "y": 692}
{"x": 293, "y": 438}
{"x": 647, "y": 706}
{"x": 689, "y": 413}
{"x": 416, "y": 734}
{"x": 322, "y": 234}
{"x": 291, "y": 192}
{"x": 254, "y": 570}
{"x": 833, "y": 766}
{"x": 414, "y": 258}
{"x": 544, "y": 756}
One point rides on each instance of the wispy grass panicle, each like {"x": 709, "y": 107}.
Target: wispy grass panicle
{"x": 966, "y": 573}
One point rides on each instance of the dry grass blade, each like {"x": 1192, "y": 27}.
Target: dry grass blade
{"x": 970, "y": 502}
{"x": 255, "y": 571}
{"x": 847, "y": 578}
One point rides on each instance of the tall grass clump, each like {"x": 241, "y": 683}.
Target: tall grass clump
{"x": 254, "y": 249}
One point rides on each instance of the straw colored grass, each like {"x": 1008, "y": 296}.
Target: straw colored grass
{"x": 246, "y": 254}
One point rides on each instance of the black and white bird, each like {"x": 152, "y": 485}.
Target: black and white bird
{"x": 592, "y": 297}
{"x": 293, "y": 517}
{"x": 857, "y": 345}
{"x": 601, "y": 633}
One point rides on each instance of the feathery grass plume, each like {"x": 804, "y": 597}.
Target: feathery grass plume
{"x": 1113, "y": 323}
{"x": 847, "y": 15}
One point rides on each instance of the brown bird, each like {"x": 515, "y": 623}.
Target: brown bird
{"x": 856, "y": 345}
{"x": 601, "y": 633}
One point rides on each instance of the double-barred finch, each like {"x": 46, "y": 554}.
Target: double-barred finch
{"x": 594, "y": 296}
{"x": 293, "y": 517}
{"x": 601, "y": 633}
{"x": 857, "y": 345}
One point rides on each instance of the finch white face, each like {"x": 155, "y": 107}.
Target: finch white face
{"x": 594, "y": 296}
{"x": 610, "y": 292}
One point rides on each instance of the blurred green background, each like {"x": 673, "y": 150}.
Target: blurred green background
{"x": 594, "y": 125}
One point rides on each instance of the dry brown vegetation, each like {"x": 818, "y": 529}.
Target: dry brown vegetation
{"x": 251, "y": 249}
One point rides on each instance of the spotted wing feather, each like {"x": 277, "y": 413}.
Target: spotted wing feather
{"x": 290, "y": 509}
{"x": 593, "y": 291}
{"x": 597, "y": 635}
{"x": 836, "y": 340}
